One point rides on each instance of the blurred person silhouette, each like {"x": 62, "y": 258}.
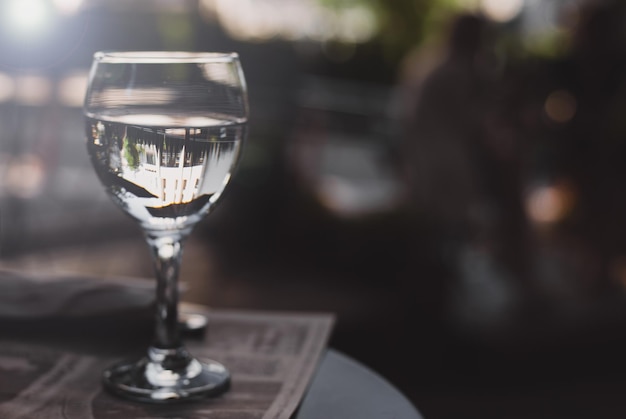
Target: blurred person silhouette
{"x": 487, "y": 137}
{"x": 462, "y": 168}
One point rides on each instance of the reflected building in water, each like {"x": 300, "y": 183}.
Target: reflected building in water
{"x": 168, "y": 172}
{"x": 174, "y": 171}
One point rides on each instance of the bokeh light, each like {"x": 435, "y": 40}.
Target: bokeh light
{"x": 7, "y": 87}
{"x": 67, "y": 7}
{"x": 301, "y": 20}
{"x": 560, "y": 106}
{"x": 71, "y": 89}
{"x": 28, "y": 17}
{"x": 33, "y": 90}
{"x": 549, "y": 203}
{"x": 502, "y": 10}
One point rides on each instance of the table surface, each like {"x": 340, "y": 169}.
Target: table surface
{"x": 342, "y": 388}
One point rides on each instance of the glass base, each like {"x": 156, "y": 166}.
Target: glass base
{"x": 166, "y": 376}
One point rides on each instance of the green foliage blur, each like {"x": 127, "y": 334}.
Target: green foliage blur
{"x": 403, "y": 24}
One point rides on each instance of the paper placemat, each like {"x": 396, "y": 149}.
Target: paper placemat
{"x": 271, "y": 356}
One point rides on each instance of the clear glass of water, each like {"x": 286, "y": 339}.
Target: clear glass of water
{"x": 164, "y": 132}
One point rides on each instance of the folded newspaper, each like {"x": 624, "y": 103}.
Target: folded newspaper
{"x": 58, "y": 334}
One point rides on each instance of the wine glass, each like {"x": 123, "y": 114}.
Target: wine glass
{"x": 164, "y": 134}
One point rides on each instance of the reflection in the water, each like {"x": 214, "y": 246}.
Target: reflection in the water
{"x": 164, "y": 177}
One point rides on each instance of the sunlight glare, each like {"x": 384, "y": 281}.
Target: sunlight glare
{"x": 28, "y": 16}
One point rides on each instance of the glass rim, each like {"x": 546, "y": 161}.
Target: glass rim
{"x": 158, "y": 57}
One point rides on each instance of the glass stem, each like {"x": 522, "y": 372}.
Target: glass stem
{"x": 167, "y": 253}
